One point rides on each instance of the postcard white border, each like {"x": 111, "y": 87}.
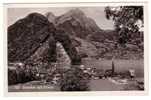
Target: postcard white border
{"x": 90, "y": 93}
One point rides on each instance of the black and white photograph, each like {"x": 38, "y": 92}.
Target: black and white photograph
{"x": 75, "y": 48}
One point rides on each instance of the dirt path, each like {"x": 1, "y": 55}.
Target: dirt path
{"x": 104, "y": 85}
{"x": 114, "y": 85}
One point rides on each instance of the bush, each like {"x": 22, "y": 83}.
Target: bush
{"x": 73, "y": 80}
{"x": 20, "y": 75}
{"x": 12, "y": 77}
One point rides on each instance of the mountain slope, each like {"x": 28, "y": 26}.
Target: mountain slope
{"x": 84, "y": 47}
{"x": 76, "y": 23}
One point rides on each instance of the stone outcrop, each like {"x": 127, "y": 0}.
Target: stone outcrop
{"x": 29, "y": 34}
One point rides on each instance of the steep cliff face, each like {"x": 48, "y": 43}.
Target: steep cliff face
{"x": 33, "y": 37}
{"x": 26, "y": 35}
{"x": 63, "y": 59}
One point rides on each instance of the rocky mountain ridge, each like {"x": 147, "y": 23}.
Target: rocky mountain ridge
{"x": 75, "y": 22}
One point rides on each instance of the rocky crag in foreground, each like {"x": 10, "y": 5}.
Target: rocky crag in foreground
{"x": 27, "y": 35}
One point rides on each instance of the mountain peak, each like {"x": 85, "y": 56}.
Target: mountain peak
{"x": 76, "y": 22}
{"x": 76, "y": 11}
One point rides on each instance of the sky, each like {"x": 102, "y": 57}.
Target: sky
{"x": 96, "y": 13}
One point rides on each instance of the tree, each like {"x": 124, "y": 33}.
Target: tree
{"x": 74, "y": 80}
{"x": 125, "y": 20}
